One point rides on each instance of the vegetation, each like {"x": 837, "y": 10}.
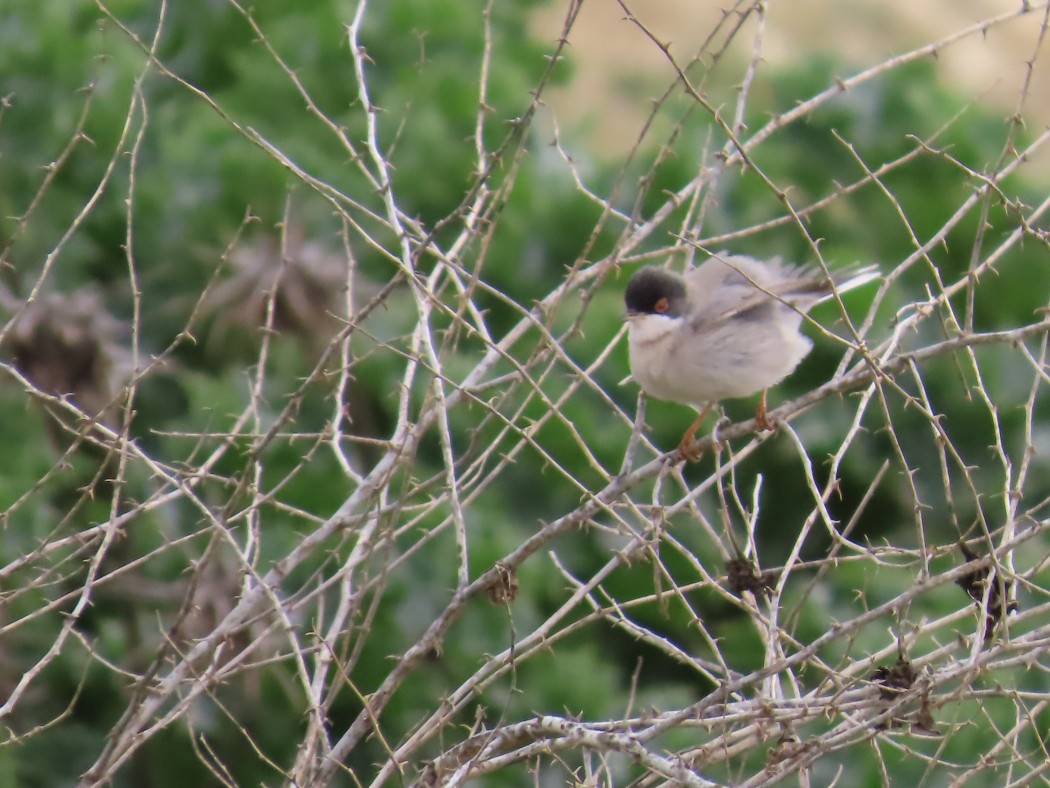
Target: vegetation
{"x": 320, "y": 467}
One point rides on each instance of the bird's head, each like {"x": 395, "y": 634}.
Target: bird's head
{"x": 654, "y": 291}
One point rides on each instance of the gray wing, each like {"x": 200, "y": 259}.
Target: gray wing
{"x": 731, "y": 287}
{"x": 728, "y": 287}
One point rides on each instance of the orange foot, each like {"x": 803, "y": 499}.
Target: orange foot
{"x": 687, "y": 448}
{"x": 762, "y": 420}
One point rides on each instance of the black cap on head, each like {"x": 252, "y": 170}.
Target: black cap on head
{"x": 654, "y": 291}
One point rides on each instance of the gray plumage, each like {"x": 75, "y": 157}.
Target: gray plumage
{"x": 728, "y": 328}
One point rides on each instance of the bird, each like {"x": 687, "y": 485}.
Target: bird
{"x": 728, "y": 328}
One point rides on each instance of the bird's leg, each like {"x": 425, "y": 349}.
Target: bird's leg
{"x": 687, "y": 451}
{"x": 762, "y": 421}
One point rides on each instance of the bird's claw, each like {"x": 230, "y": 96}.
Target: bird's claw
{"x": 762, "y": 421}
{"x": 689, "y": 449}
{"x": 765, "y": 424}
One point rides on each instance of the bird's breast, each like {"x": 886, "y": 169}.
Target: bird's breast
{"x": 651, "y": 341}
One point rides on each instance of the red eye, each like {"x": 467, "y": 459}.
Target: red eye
{"x": 661, "y": 306}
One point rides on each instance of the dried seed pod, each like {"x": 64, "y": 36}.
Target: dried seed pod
{"x": 894, "y": 679}
{"x": 975, "y": 582}
{"x": 504, "y": 588}
{"x": 742, "y": 575}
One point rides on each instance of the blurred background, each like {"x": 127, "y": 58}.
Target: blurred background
{"x": 301, "y": 349}
{"x": 615, "y": 65}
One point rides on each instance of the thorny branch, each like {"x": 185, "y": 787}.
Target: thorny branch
{"x": 313, "y": 606}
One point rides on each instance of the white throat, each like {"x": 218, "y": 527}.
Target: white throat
{"x": 644, "y": 330}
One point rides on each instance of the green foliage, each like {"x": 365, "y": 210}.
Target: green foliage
{"x": 202, "y": 179}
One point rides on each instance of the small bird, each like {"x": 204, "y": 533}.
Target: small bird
{"x": 728, "y": 328}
